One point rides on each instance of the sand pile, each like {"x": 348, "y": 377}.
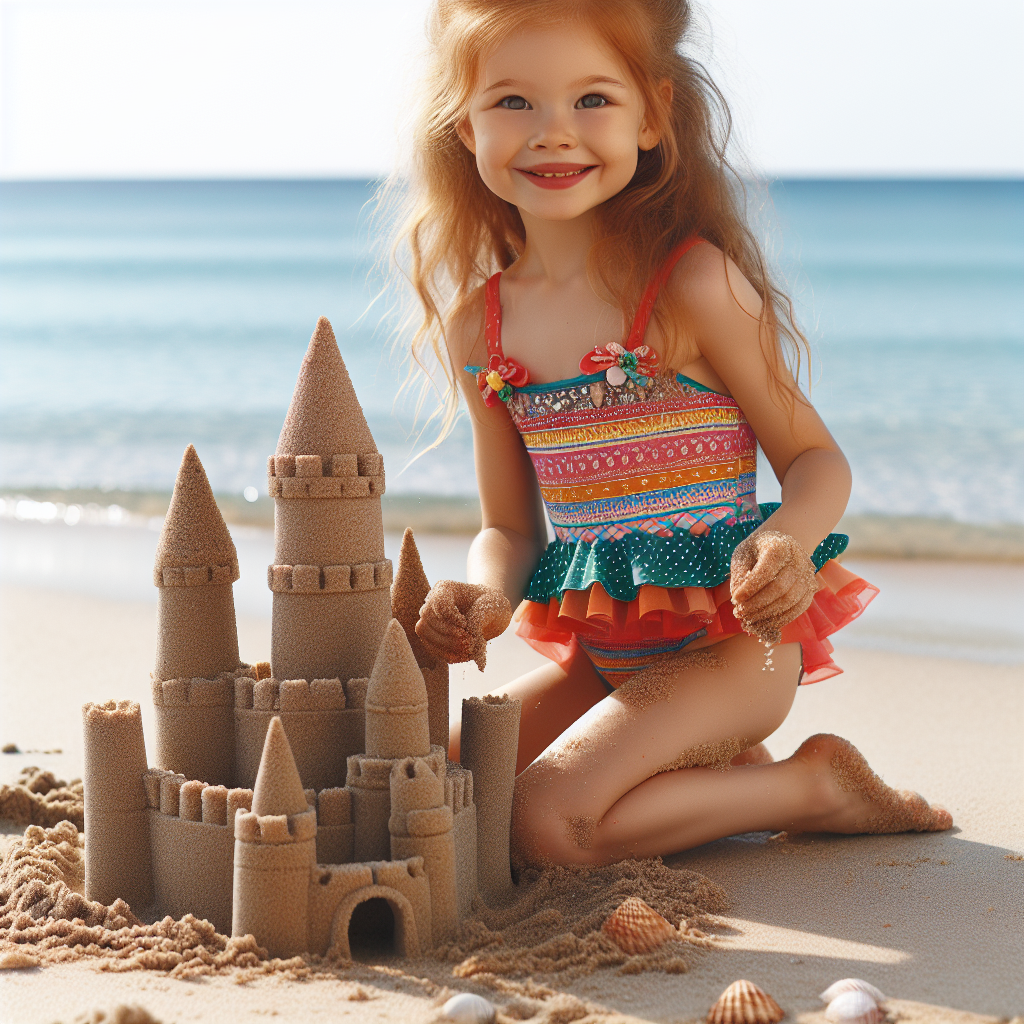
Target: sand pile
{"x": 44, "y": 914}
{"x": 38, "y": 798}
{"x": 554, "y": 926}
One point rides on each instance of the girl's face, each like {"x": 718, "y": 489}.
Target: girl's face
{"x": 555, "y": 123}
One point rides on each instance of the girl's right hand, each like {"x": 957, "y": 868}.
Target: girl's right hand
{"x": 457, "y": 619}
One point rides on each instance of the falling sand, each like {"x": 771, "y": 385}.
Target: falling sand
{"x": 38, "y": 798}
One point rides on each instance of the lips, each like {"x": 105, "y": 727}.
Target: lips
{"x": 556, "y": 175}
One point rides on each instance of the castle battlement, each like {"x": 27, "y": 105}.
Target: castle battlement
{"x": 303, "y": 799}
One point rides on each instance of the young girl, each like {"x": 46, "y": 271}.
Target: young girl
{"x": 588, "y": 281}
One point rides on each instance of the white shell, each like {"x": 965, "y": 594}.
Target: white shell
{"x": 616, "y": 376}
{"x": 467, "y": 1008}
{"x": 854, "y": 1008}
{"x": 851, "y": 985}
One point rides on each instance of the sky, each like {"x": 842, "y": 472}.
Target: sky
{"x": 309, "y": 88}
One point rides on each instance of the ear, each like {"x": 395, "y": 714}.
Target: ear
{"x": 648, "y": 138}
{"x": 465, "y": 131}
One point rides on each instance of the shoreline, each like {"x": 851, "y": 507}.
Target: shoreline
{"x": 871, "y": 535}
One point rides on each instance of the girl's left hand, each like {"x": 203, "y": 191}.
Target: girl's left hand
{"x": 772, "y": 582}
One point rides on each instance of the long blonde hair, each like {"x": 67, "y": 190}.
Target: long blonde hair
{"x": 457, "y": 232}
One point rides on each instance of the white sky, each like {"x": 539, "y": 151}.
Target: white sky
{"x": 309, "y": 88}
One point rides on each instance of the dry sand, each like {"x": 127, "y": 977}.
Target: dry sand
{"x": 936, "y": 921}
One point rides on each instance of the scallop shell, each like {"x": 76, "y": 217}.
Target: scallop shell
{"x": 744, "y": 1003}
{"x": 637, "y": 928}
{"x": 467, "y": 1008}
{"x": 854, "y": 1007}
{"x": 851, "y": 985}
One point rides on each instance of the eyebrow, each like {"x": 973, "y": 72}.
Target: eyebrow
{"x": 506, "y": 83}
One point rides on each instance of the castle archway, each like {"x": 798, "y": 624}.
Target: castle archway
{"x": 404, "y": 935}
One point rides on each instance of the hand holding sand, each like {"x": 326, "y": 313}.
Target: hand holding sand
{"x": 772, "y": 582}
{"x": 457, "y": 619}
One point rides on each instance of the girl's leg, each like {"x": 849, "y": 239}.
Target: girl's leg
{"x": 614, "y": 786}
{"x": 553, "y": 698}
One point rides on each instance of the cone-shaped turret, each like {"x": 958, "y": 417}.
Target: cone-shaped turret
{"x": 278, "y": 788}
{"x": 396, "y": 700}
{"x": 194, "y": 532}
{"x": 408, "y": 593}
{"x": 197, "y": 639}
{"x": 325, "y": 417}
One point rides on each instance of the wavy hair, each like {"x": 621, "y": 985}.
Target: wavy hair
{"x": 457, "y": 232}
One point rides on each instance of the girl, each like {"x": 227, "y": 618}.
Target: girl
{"x": 588, "y": 280}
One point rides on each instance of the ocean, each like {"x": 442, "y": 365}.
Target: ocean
{"x": 138, "y": 317}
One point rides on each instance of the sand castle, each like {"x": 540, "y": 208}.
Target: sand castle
{"x": 308, "y": 801}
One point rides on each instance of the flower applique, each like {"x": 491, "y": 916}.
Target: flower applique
{"x": 618, "y": 363}
{"x": 499, "y": 378}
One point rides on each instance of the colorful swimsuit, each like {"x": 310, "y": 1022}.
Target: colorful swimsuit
{"x": 649, "y": 484}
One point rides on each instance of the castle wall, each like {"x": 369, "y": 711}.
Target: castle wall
{"x": 330, "y": 884}
{"x": 490, "y": 741}
{"x": 192, "y": 846}
{"x": 195, "y": 727}
{"x": 335, "y": 834}
{"x": 117, "y": 850}
{"x": 324, "y": 721}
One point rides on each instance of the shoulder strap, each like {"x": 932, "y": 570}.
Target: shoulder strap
{"x": 492, "y": 316}
{"x": 650, "y": 296}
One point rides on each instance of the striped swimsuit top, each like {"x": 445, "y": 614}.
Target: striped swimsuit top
{"x": 621, "y": 450}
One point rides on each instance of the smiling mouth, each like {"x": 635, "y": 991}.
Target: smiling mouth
{"x": 556, "y": 176}
{"x": 575, "y": 173}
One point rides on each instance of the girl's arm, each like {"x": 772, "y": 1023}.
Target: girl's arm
{"x": 723, "y": 310}
{"x": 513, "y": 535}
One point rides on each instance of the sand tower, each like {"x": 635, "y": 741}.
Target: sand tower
{"x": 117, "y": 855}
{"x": 490, "y": 739}
{"x": 275, "y": 850}
{"x": 330, "y": 578}
{"x": 422, "y": 825}
{"x": 408, "y": 593}
{"x": 396, "y": 728}
{"x": 196, "y": 637}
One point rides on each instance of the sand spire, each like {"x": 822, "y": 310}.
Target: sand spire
{"x": 396, "y": 700}
{"x": 325, "y": 417}
{"x": 194, "y": 532}
{"x": 408, "y": 593}
{"x": 278, "y": 788}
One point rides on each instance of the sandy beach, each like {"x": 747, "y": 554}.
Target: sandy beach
{"x": 935, "y": 921}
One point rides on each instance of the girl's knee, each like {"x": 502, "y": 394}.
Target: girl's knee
{"x": 547, "y": 829}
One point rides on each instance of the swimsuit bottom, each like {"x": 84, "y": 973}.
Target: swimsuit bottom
{"x": 622, "y": 637}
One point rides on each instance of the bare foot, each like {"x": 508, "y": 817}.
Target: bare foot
{"x": 855, "y": 800}
{"x": 757, "y": 754}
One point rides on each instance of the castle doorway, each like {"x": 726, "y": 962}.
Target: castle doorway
{"x": 371, "y": 930}
{"x": 373, "y": 922}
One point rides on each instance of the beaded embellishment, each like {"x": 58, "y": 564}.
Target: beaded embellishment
{"x": 499, "y": 378}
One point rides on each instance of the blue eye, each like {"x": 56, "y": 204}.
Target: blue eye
{"x": 513, "y": 103}
{"x": 592, "y": 101}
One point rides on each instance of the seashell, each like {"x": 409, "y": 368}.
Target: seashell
{"x": 615, "y": 376}
{"x": 16, "y": 960}
{"x": 637, "y": 928}
{"x": 744, "y": 1003}
{"x": 854, "y": 1007}
{"x": 597, "y": 395}
{"x": 851, "y": 985}
{"x": 467, "y": 1008}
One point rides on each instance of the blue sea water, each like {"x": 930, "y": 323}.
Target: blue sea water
{"x": 136, "y": 317}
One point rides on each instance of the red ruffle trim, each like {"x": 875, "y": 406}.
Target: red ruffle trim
{"x": 552, "y": 629}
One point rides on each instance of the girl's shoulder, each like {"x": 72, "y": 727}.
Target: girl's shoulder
{"x": 709, "y": 285}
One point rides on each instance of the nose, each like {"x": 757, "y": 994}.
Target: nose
{"x": 554, "y": 133}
